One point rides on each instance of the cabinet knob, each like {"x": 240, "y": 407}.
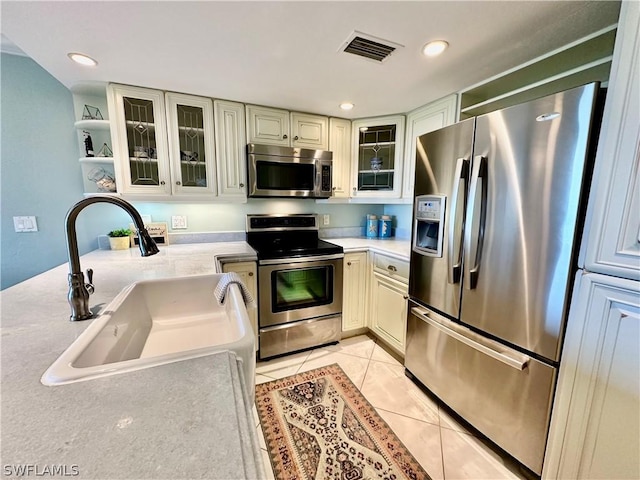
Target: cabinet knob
{"x": 296, "y": 137}
{"x": 406, "y": 297}
{"x": 251, "y": 274}
{"x": 392, "y": 268}
{"x": 242, "y": 185}
{"x": 334, "y": 188}
{"x": 349, "y": 263}
{"x": 178, "y": 183}
{"x": 161, "y": 182}
{"x": 354, "y": 189}
{"x": 285, "y": 136}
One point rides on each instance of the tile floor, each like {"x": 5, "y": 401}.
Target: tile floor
{"x": 445, "y": 448}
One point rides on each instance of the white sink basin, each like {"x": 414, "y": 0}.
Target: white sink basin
{"x": 154, "y": 322}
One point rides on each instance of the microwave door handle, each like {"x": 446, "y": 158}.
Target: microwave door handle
{"x": 454, "y": 269}
{"x": 471, "y": 235}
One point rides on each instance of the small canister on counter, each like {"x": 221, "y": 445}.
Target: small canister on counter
{"x": 384, "y": 226}
{"x": 371, "y": 226}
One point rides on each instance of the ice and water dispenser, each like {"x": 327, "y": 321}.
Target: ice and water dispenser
{"x": 428, "y": 224}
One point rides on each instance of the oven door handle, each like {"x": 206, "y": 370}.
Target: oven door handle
{"x": 316, "y": 258}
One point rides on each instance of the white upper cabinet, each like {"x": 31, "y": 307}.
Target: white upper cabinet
{"x": 309, "y": 131}
{"x": 231, "y": 144}
{"x": 271, "y": 126}
{"x": 177, "y": 145}
{"x": 377, "y": 151}
{"x": 340, "y": 145}
{"x": 191, "y": 140}
{"x": 268, "y": 126}
{"x": 140, "y": 140}
{"x": 420, "y": 121}
{"x": 613, "y": 235}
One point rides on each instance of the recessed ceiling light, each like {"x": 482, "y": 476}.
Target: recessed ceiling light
{"x": 346, "y": 106}
{"x": 434, "y": 48}
{"x": 82, "y": 59}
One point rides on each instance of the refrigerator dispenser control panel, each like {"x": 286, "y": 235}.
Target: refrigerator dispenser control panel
{"x": 429, "y": 224}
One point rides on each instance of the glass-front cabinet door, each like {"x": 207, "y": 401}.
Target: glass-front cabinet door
{"x": 141, "y": 156}
{"x": 191, "y": 144}
{"x": 377, "y": 163}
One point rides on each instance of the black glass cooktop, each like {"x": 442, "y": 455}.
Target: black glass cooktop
{"x": 283, "y": 236}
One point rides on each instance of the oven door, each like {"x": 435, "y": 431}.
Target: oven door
{"x": 299, "y": 288}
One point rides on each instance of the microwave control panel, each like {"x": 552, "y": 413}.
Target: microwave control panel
{"x": 429, "y": 224}
{"x": 326, "y": 178}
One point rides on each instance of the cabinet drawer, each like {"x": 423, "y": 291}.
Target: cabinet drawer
{"x": 392, "y": 267}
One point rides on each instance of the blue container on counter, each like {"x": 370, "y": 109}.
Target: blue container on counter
{"x": 371, "y": 227}
{"x": 384, "y": 226}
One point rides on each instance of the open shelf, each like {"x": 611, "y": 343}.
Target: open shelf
{"x": 584, "y": 61}
{"x": 96, "y": 160}
{"x": 93, "y": 124}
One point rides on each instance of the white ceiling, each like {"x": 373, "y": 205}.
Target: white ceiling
{"x": 287, "y": 54}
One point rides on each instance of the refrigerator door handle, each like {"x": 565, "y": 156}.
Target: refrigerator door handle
{"x": 454, "y": 269}
{"x": 471, "y": 235}
{"x": 517, "y": 363}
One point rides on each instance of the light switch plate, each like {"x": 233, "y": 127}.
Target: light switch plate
{"x": 25, "y": 224}
{"x": 325, "y": 219}
{"x": 179, "y": 222}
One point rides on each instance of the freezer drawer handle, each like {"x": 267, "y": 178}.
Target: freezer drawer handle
{"x": 462, "y": 172}
{"x": 501, "y": 357}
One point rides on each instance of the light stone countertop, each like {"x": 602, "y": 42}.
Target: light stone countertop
{"x": 182, "y": 420}
{"x": 174, "y": 410}
{"x": 393, "y": 247}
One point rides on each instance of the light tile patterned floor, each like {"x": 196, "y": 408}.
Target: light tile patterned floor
{"x": 445, "y": 448}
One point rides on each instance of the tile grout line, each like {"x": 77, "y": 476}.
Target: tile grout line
{"x": 407, "y": 417}
{"x": 441, "y": 445}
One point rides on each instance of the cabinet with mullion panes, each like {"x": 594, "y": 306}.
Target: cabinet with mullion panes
{"x": 140, "y": 152}
{"x": 191, "y": 144}
{"x": 378, "y": 145}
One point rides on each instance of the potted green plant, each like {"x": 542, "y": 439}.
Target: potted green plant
{"x": 119, "y": 239}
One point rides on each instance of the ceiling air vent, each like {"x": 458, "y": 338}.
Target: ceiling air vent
{"x": 369, "y": 47}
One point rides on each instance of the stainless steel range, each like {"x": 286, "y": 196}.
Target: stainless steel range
{"x": 299, "y": 283}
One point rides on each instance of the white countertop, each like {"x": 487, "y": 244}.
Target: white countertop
{"x": 397, "y": 248}
{"x": 181, "y": 420}
{"x": 63, "y": 424}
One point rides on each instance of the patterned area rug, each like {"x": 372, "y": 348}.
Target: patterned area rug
{"x": 318, "y": 426}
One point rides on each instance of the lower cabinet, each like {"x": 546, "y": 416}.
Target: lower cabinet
{"x": 375, "y": 295}
{"x": 354, "y": 297}
{"x": 389, "y": 310}
{"x": 248, "y": 272}
{"x": 595, "y": 425}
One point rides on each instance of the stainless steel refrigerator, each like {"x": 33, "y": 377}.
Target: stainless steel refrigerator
{"x": 497, "y": 215}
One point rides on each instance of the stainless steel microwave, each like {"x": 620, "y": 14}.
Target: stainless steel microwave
{"x": 288, "y": 172}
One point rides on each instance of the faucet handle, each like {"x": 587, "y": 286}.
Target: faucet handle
{"x": 89, "y": 286}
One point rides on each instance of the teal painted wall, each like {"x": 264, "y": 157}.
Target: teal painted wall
{"x": 39, "y": 172}
{"x": 402, "y": 219}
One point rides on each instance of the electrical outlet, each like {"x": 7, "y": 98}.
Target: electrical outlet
{"x": 25, "y": 224}
{"x": 325, "y": 219}
{"x": 179, "y": 222}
